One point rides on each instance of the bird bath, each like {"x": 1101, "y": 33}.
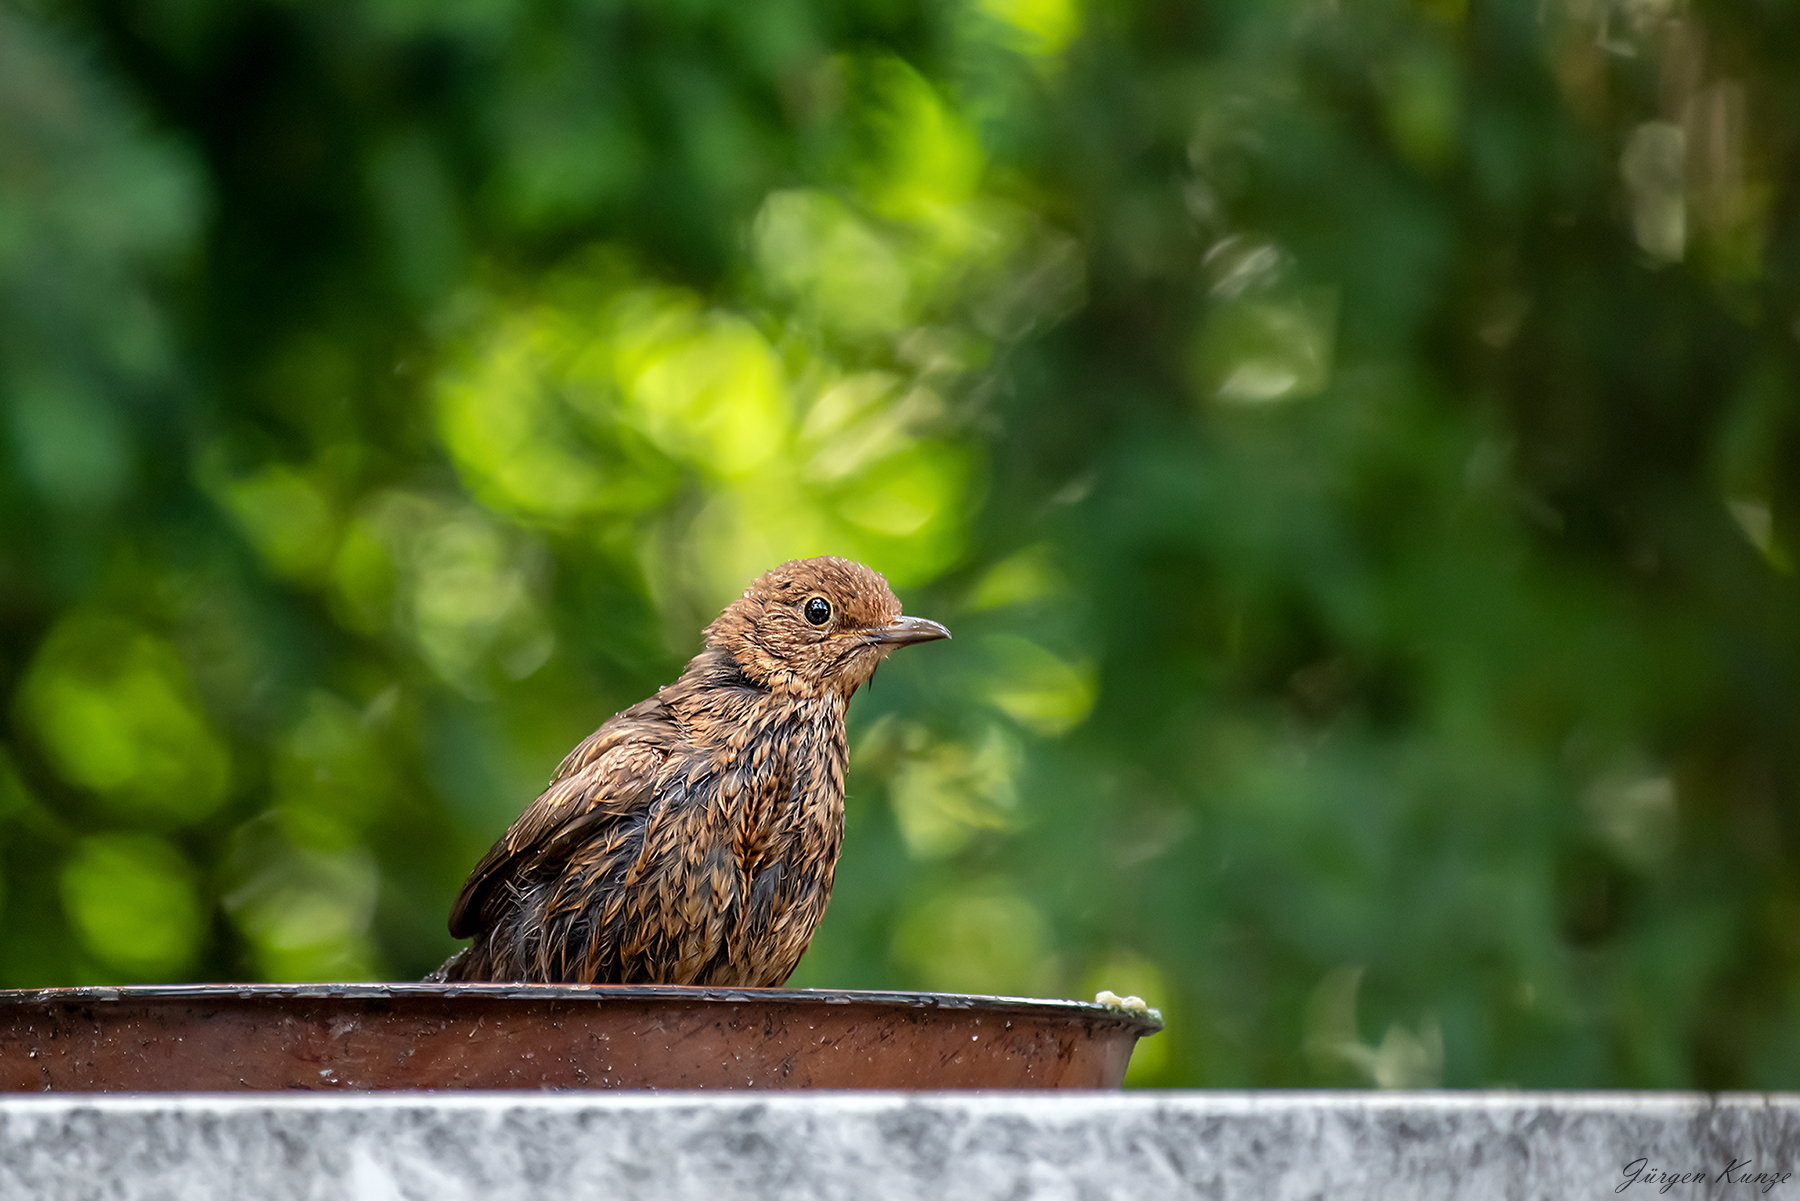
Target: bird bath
{"x": 224, "y": 1037}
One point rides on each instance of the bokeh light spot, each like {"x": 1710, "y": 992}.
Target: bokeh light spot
{"x": 112, "y": 705}
{"x": 305, "y": 912}
{"x": 283, "y": 513}
{"x": 944, "y": 794}
{"x": 985, "y": 939}
{"x": 1044, "y": 693}
{"x": 1268, "y": 348}
{"x": 1037, "y": 27}
{"x": 811, "y": 247}
{"x": 131, "y": 899}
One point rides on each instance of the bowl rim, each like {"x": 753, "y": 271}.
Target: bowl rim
{"x": 1042, "y": 1007}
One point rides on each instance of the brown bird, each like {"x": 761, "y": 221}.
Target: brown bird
{"x": 693, "y": 838}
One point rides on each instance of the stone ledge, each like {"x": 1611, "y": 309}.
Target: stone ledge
{"x": 872, "y": 1146}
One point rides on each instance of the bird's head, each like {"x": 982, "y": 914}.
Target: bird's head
{"x": 816, "y": 625}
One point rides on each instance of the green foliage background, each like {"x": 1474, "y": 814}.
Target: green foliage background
{"x": 1354, "y": 442}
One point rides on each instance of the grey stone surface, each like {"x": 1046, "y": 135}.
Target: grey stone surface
{"x": 869, "y": 1146}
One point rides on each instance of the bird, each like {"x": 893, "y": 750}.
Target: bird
{"x": 693, "y": 838}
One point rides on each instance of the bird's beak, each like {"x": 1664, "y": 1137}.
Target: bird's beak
{"x": 903, "y": 630}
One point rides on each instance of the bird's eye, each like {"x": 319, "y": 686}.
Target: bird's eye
{"x": 817, "y": 610}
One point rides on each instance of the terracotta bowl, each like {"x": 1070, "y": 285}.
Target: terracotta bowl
{"x": 217, "y": 1037}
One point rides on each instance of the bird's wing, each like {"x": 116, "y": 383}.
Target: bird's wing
{"x": 609, "y": 776}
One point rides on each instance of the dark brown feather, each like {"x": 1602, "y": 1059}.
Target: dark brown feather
{"x": 694, "y": 837}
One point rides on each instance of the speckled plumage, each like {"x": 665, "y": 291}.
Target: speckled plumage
{"x": 693, "y": 838}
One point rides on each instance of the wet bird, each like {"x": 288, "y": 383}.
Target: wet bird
{"x": 693, "y": 838}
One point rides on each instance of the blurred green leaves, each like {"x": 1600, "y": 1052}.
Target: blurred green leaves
{"x": 610, "y": 404}
{"x": 1354, "y": 447}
